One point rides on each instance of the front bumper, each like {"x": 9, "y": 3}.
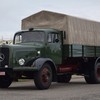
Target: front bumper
{"x": 24, "y": 68}
{"x": 6, "y": 71}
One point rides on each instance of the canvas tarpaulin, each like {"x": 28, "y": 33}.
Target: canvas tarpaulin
{"x": 78, "y": 31}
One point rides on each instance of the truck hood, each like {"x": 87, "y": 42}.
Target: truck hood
{"x": 23, "y": 51}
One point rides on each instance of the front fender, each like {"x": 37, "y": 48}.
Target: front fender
{"x": 38, "y": 63}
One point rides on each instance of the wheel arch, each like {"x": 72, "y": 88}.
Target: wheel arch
{"x": 41, "y": 61}
{"x": 93, "y": 76}
{"x": 97, "y": 60}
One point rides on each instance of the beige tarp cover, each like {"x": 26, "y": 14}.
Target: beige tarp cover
{"x": 78, "y": 31}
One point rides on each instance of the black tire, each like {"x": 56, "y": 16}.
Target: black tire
{"x": 5, "y": 81}
{"x": 43, "y": 77}
{"x": 93, "y": 76}
{"x": 64, "y": 78}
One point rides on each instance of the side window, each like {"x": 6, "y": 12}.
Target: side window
{"x": 18, "y": 39}
{"x": 49, "y": 38}
{"x": 53, "y": 38}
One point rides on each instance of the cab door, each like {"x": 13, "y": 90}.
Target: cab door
{"x": 54, "y": 47}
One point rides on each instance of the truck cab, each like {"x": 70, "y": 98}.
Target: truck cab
{"x": 34, "y": 54}
{"x": 47, "y": 42}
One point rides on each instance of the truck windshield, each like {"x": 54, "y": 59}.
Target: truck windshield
{"x": 25, "y": 37}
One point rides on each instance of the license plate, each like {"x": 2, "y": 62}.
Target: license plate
{"x": 2, "y": 73}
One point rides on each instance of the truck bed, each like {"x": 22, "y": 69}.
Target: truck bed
{"x": 81, "y": 51}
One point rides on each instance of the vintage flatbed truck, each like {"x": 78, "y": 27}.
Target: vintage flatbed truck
{"x": 57, "y": 47}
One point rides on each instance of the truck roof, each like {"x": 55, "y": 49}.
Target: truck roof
{"x": 39, "y": 29}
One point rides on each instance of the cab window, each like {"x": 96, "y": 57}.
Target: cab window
{"x": 53, "y": 38}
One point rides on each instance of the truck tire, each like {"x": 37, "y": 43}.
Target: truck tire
{"x": 43, "y": 77}
{"x": 94, "y": 75}
{"x": 64, "y": 78}
{"x": 5, "y": 81}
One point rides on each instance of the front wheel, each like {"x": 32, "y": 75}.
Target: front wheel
{"x": 94, "y": 75}
{"x": 43, "y": 77}
{"x": 5, "y": 81}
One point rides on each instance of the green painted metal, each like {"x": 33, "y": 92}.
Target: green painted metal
{"x": 28, "y": 51}
{"x": 54, "y": 52}
{"x": 57, "y": 51}
{"x": 25, "y": 51}
{"x": 76, "y": 50}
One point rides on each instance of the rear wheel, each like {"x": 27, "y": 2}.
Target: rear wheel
{"x": 43, "y": 77}
{"x": 93, "y": 76}
{"x": 64, "y": 78}
{"x": 5, "y": 81}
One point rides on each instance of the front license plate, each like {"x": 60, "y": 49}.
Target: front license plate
{"x": 2, "y": 73}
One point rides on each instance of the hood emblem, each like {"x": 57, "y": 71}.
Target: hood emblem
{"x": 2, "y": 57}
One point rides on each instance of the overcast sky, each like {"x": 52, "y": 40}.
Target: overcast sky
{"x": 13, "y": 11}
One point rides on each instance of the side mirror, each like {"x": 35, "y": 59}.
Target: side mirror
{"x": 56, "y": 40}
{"x": 6, "y": 42}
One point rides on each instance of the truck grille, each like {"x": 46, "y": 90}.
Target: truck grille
{"x": 4, "y": 57}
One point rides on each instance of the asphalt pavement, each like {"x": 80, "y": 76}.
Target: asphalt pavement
{"x": 77, "y": 89}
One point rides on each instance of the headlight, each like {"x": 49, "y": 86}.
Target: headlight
{"x": 21, "y": 61}
{"x": 38, "y": 52}
{"x": 6, "y": 66}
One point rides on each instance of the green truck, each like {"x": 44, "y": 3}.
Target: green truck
{"x": 58, "y": 47}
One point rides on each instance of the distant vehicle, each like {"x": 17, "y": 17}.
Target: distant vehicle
{"x": 52, "y": 55}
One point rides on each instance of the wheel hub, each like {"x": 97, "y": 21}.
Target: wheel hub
{"x": 45, "y": 75}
